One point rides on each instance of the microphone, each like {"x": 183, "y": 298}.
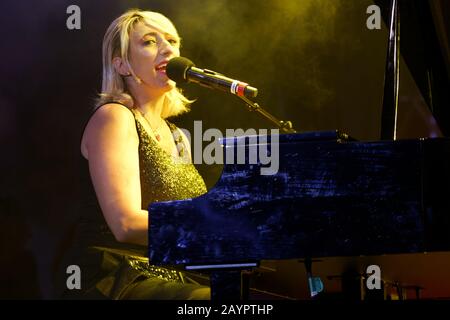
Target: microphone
{"x": 181, "y": 69}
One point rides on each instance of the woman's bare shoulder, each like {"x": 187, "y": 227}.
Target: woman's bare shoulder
{"x": 109, "y": 120}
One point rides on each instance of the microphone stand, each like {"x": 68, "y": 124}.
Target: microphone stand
{"x": 284, "y": 126}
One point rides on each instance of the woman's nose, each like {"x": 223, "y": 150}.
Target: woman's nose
{"x": 166, "y": 47}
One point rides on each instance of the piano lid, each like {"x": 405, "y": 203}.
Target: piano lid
{"x": 331, "y": 135}
{"x": 425, "y": 47}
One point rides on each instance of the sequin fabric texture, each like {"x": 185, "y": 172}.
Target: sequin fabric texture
{"x": 163, "y": 176}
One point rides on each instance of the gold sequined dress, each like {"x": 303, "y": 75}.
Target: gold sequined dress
{"x": 109, "y": 268}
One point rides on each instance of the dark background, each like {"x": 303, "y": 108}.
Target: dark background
{"x": 314, "y": 62}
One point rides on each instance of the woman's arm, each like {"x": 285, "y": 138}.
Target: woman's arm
{"x": 111, "y": 144}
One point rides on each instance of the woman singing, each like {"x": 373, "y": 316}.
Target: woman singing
{"x": 133, "y": 156}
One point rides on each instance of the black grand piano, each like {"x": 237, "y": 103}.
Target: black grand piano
{"x": 331, "y": 196}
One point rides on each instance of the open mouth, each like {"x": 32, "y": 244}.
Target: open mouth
{"x": 161, "y": 67}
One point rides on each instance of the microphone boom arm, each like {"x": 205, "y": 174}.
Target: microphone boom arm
{"x": 284, "y": 126}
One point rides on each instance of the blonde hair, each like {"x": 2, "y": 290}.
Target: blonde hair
{"x": 116, "y": 44}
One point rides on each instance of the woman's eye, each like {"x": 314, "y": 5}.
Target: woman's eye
{"x": 172, "y": 41}
{"x": 149, "y": 42}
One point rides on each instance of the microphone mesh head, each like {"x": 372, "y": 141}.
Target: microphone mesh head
{"x": 177, "y": 67}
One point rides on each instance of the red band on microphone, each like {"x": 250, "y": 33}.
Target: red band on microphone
{"x": 241, "y": 88}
